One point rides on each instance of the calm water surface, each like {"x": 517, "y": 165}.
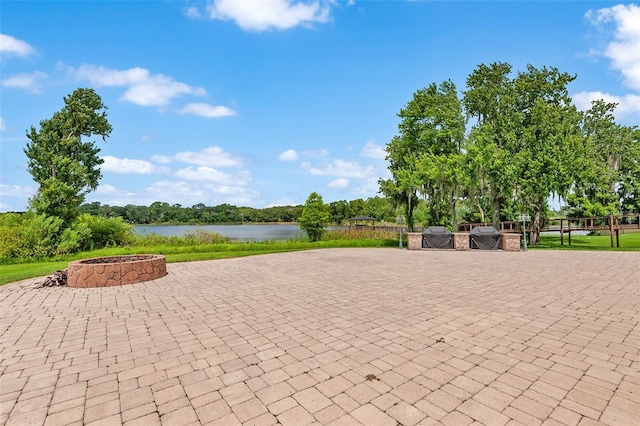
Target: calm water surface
{"x": 235, "y": 232}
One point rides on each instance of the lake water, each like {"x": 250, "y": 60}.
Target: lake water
{"x": 235, "y": 232}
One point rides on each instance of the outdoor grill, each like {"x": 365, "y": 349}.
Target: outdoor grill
{"x": 437, "y": 237}
{"x": 484, "y": 238}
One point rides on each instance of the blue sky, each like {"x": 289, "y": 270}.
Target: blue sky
{"x": 259, "y": 103}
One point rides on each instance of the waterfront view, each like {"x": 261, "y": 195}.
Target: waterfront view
{"x": 249, "y": 233}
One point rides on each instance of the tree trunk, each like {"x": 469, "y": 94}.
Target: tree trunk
{"x": 496, "y": 213}
{"x": 535, "y": 236}
{"x": 481, "y": 212}
{"x": 409, "y": 211}
{"x": 454, "y": 216}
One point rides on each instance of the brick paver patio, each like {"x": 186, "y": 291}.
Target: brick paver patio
{"x": 336, "y": 336}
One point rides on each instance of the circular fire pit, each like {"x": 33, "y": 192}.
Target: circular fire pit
{"x": 116, "y": 270}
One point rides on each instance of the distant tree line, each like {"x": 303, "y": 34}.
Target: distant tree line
{"x": 165, "y": 213}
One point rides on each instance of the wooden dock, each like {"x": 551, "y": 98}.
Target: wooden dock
{"x": 567, "y": 225}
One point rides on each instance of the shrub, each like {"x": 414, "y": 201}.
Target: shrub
{"x": 10, "y": 228}
{"x": 205, "y": 237}
{"x": 29, "y": 235}
{"x": 38, "y": 236}
{"x": 193, "y": 238}
{"x": 153, "y": 239}
{"x": 104, "y": 232}
{"x": 361, "y": 234}
{"x": 76, "y": 238}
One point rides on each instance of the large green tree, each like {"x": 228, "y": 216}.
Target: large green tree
{"x": 315, "y": 216}
{"x": 488, "y": 99}
{"x": 607, "y": 177}
{"x": 523, "y": 145}
{"x": 446, "y": 180}
{"x": 65, "y": 166}
{"x": 629, "y": 187}
{"x": 422, "y": 157}
{"x": 547, "y": 136}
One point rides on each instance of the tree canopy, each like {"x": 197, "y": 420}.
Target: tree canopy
{"x": 422, "y": 158}
{"x": 527, "y": 142}
{"x": 65, "y": 167}
{"x": 315, "y": 216}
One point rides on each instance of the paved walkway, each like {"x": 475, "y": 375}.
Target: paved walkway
{"x": 336, "y": 336}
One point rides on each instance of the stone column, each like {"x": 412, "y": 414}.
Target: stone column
{"x": 510, "y": 242}
{"x": 414, "y": 241}
{"x": 461, "y": 241}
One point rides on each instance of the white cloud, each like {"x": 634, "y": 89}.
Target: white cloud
{"x": 315, "y": 154}
{"x": 146, "y": 138}
{"x": 621, "y": 25}
{"x": 143, "y": 88}
{"x": 14, "y": 197}
{"x": 209, "y": 174}
{"x": 371, "y": 150}
{"x": 190, "y": 193}
{"x": 206, "y": 110}
{"x": 109, "y": 194}
{"x": 3, "y": 125}
{"x": 624, "y": 49}
{"x": 628, "y": 105}
{"x": 193, "y": 12}
{"x": 130, "y": 166}
{"x": 340, "y": 168}
{"x": 233, "y": 194}
{"x": 369, "y": 186}
{"x": 264, "y": 15}
{"x": 106, "y": 189}
{"x": 30, "y": 82}
{"x": 282, "y": 202}
{"x": 213, "y": 156}
{"x": 162, "y": 159}
{"x": 288, "y": 155}
{"x": 209, "y": 158}
{"x": 339, "y": 183}
{"x": 12, "y": 46}
{"x": 158, "y": 92}
{"x": 179, "y": 191}
{"x": 17, "y": 191}
{"x": 185, "y": 193}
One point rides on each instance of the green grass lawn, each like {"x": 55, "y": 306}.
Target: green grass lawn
{"x": 24, "y": 270}
{"x": 628, "y": 242}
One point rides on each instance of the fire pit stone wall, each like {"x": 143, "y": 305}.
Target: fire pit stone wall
{"x": 116, "y": 270}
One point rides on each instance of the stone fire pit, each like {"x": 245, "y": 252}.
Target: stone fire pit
{"x": 116, "y": 270}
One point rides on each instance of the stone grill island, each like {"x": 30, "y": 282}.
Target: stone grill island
{"x": 116, "y": 270}
{"x": 462, "y": 242}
